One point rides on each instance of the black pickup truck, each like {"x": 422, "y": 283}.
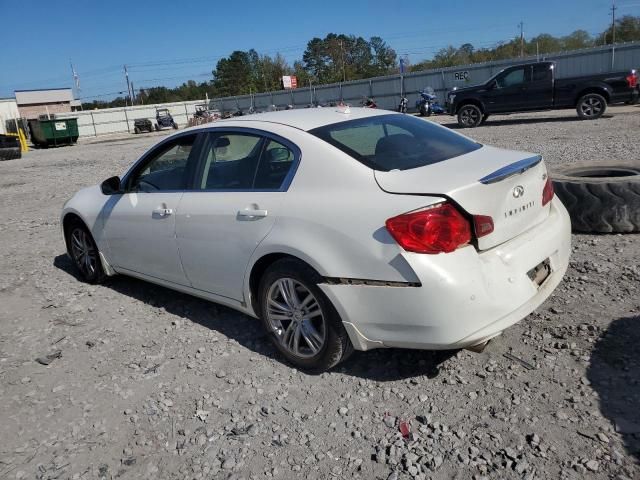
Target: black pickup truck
{"x": 533, "y": 86}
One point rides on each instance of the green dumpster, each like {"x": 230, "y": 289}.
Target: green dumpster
{"x": 57, "y": 131}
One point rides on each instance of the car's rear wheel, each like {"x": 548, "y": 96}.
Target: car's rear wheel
{"x": 301, "y": 321}
{"x": 591, "y": 106}
{"x": 136, "y": 130}
{"x": 469, "y": 116}
{"x": 84, "y": 253}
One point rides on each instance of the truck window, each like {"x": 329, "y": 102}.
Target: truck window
{"x": 541, "y": 73}
{"x": 514, "y": 77}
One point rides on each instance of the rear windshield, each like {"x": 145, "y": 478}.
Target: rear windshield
{"x": 395, "y": 142}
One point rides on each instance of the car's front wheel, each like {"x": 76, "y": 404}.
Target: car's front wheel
{"x": 300, "y": 319}
{"x": 84, "y": 253}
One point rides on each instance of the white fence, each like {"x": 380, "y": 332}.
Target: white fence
{"x": 120, "y": 120}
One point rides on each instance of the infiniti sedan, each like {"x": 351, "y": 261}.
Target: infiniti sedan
{"x": 339, "y": 228}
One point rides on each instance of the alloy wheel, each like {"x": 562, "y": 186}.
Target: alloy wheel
{"x": 469, "y": 116}
{"x": 295, "y": 316}
{"x": 591, "y": 107}
{"x": 84, "y": 252}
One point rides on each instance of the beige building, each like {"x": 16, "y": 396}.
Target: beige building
{"x": 33, "y": 103}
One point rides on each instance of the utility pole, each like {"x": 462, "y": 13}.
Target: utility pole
{"x": 76, "y": 82}
{"x": 521, "y": 25}
{"x": 613, "y": 20}
{"x": 126, "y": 75}
{"x": 344, "y": 72}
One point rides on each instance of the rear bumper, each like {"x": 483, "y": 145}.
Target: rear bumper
{"x": 466, "y": 296}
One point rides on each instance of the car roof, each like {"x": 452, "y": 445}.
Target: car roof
{"x": 304, "y": 118}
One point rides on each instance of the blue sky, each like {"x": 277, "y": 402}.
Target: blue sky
{"x": 168, "y": 42}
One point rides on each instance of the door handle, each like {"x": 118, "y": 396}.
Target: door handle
{"x": 163, "y": 212}
{"x": 252, "y": 213}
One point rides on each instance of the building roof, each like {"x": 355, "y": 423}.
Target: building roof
{"x": 51, "y": 95}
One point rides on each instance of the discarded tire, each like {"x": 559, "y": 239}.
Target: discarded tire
{"x": 10, "y": 153}
{"x": 600, "y": 197}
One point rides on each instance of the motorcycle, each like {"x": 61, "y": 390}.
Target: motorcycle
{"x": 428, "y": 103}
{"x": 369, "y": 103}
{"x": 404, "y": 104}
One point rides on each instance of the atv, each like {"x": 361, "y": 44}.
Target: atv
{"x": 164, "y": 119}
{"x": 142, "y": 125}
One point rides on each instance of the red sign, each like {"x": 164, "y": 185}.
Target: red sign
{"x": 289, "y": 81}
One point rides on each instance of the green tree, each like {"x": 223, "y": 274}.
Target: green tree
{"x": 627, "y": 30}
{"x": 577, "y": 40}
{"x": 234, "y": 75}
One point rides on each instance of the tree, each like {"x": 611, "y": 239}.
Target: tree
{"x": 627, "y": 30}
{"x": 576, "y": 40}
{"x": 384, "y": 57}
{"x": 234, "y": 75}
{"x": 346, "y": 57}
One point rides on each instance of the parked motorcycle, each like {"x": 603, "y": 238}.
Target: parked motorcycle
{"x": 428, "y": 103}
{"x": 404, "y": 104}
{"x": 369, "y": 103}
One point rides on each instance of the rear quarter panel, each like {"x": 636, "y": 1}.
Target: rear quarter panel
{"x": 334, "y": 215}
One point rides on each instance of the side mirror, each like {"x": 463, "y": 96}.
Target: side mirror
{"x": 493, "y": 85}
{"x": 111, "y": 186}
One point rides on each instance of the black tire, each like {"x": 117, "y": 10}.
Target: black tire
{"x": 136, "y": 130}
{"x": 600, "y": 197}
{"x": 89, "y": 271}
{"x": 10, "y": 153}
{"x": 591, "y": 106}
{"x": 469, "y": 116}
{"x": 157, "y": 127}
{"x": 174, "y": 125}
{"x": 336, "y": 345}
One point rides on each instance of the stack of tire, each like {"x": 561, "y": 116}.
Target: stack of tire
{"x": 9, "y": 147}
{"x": 601, "y": 197}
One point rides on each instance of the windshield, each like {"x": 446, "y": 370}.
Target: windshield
{"x": 395, "y": 142}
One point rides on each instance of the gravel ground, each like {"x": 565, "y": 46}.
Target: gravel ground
{"x": 155, "y": 384}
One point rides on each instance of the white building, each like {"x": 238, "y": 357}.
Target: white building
{"x": 8, "y": 112}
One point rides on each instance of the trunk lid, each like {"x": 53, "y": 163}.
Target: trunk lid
{"x": 504, "y": 184}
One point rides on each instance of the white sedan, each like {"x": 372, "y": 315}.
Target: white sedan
{"x": 339, "y": 228}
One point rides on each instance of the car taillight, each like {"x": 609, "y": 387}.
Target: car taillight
{"x": 483, "y": 225}
{"x": 438, "y": 229}
{"x": 632, "y": 79}
{"x": 547, "y": 192}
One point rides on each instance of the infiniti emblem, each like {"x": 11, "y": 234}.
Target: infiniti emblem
{"x": 518, "y": 191}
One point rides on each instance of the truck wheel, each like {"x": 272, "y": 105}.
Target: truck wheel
{"x": 136, "y": 130}
{"x": 469, "y": 116}
{"x": 600, "y": 197}
{"x": 591, "y": 106}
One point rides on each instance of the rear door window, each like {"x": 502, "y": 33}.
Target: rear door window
{"x": 275, "y": 164}
{"x": 541, "y": 73}
{"x": 230, "y": 161}
{"x": 395, "y": 142}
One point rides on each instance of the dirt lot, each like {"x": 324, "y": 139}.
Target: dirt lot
{"x": 156, "y": 384}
